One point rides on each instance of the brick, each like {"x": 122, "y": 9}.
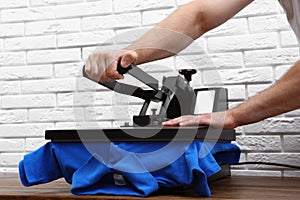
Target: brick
{"x": 68, "y": 70}
{"x": 85, "y": 99}
{"x": 288, "y": 39}
{"x": 27, "y": 14}
{"x": 86, "y": 51}
{"x": 137, "y": 5}
{"x": 32, "y": 144}
{"x": 26, "y": 72}
{"x": 11, "y": 159}
{"x": 13, "y": 3}
{"x": 12, "y": 58}
{"x": 27, "y": 43}
{"x": 236, "y": 92}
{"x": 259, "y": 143}
{"x": 48, "y": 86}
{"x": 197, "y": 46}
{"x": 127, "y": 36}
{"x": 263, "y": 7}
{"x": 122, "y": 99}
{"x": 166, "y": 64}
{"x": 11, "y": 87}
{"x": 55, "y": 115}
{"x": 111, "y": 113}
{"x": 83, "y": 84}
{"x": 233, "y": 104}
{"x": 52, "y": 2}
{"x": 84, "y": 9}
{"x": 291, "y": 143}
{"x": 291, "y": 173}
{"x": 231, "y": 27}
{"x": 28, "y": 101}
{"x": 111, "y": 21}
{"x": 255, "y": 173}
{"x": 83, "y": 125}
{"x": 281, "y": 70}
{"x": 1, "y": 45}
{"x": 242, "y": 42}
{"x": 159, "y": 76}
{"x": 271, "y": 57}
{"x": 255, "y": 89}
{"x": 294, "y": 113}
{"x": 53, "y": 56}
{"x": 274, "y": 125}
{"x": 155, "y": 16}
{"x": 238, "y": 76}
{"x": 9, "y": 170}
{"x": 285, "y": 158}
{"x": 85, "y": 39}
{"x": 24, "y": 130}
{"x": 53, "y": 27}
{"x": 13, "y": 116}
{"x": 210, "y": 61}
{"x": 239, "y": 130}
{"x": 12, "y": 144}
{"x": 268, "y": 23}
{"x": 10, "y": 30}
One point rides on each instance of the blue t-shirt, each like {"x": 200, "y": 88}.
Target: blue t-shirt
{"x": 108, "y": 170}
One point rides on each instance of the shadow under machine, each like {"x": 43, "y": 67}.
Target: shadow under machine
{"x": 174, "y": 98}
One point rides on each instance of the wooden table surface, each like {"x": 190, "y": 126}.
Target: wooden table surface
{"x": 236, "y": 187}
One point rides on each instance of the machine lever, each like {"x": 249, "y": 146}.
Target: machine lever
{"x": 131, "y": 90}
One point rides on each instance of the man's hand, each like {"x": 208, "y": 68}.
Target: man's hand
{"x": 102, "y": 65}
{"x": 222, "y": 120}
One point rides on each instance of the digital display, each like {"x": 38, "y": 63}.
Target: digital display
{"x": 205, "y": 102}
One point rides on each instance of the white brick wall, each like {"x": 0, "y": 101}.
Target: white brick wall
{"x": 43, "y": 45}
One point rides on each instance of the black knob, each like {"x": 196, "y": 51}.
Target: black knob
{"x": 153, "y": 111}
{"x": 187, "y": 73}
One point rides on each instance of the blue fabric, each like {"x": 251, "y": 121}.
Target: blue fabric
{"x": 105, "y": 168}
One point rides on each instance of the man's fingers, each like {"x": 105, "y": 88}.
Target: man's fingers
{"x": 111, "y": 71}
{"x": 172, "y": 122}
{"x": 188, "y": 120}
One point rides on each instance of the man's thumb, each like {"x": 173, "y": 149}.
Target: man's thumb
{"x": 128, "y": 58}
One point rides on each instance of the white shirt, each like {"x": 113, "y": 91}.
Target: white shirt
{"x": 292, "y": 9}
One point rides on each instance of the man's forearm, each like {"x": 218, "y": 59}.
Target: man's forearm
{"x": 183, "y": 26}
{"x": 282, "y": 97}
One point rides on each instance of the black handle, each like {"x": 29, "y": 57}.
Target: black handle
{"x": 84, "y": 74}
{"x": 121, "y": 70}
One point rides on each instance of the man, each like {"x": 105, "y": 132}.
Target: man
{"x": 179, "y": 30}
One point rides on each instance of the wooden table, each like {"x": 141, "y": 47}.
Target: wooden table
{"x": 236, "y": 187}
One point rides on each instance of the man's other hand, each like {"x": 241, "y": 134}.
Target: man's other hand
{"x": 222, "y": 120}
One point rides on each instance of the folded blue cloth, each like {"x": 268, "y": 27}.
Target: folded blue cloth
{"x": 108, "y": 168}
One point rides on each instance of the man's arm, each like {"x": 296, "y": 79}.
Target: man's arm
{"x": 169, "y": 37}
{"x": 283, "y": 96}
{"x": 183, "y": 26}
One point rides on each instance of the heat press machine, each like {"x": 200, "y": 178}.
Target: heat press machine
{"x": 176, "y": 98}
